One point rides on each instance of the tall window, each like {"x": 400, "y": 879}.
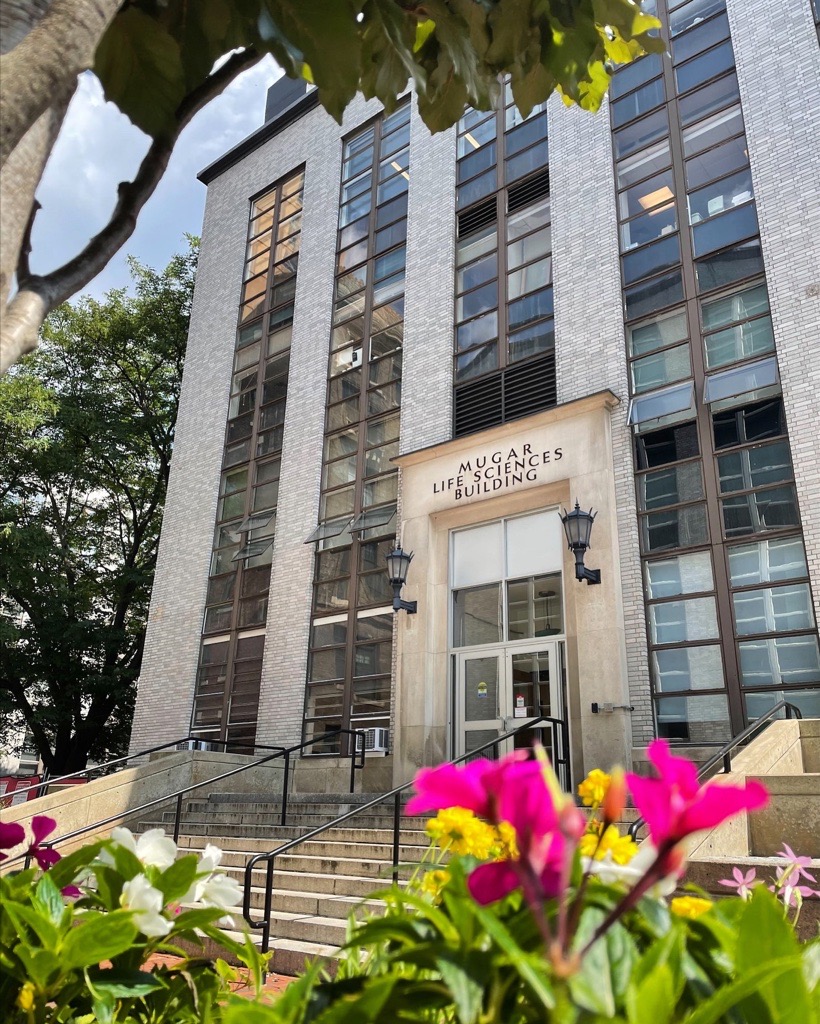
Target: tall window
{"x": 713, "y": 461}
{"x": 350, "y": 664}
{"x": 230, "y": 670}
{"x": 504, "y": 304}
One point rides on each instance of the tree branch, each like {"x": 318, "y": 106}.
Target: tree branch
{"x": 42, "y": 68}
{"x": 38, "y": 295}
{"x": 23, "y": 269}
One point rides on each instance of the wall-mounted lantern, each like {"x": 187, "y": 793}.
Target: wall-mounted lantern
{"x": 578, "y": 528}
{"x": 398, "y": 562}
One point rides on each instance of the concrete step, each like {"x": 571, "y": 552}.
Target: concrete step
{"x": 284, "y": 834}
{"x": 307, "y": 904}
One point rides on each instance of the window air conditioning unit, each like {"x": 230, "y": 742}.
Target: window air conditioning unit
{"x": 376, "y": 741}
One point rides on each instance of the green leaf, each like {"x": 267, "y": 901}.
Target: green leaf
{"x": 763, "y": 936}
{"x": 523, "y": 963}
{"x": 66, "y": 870}
{"x": 48, "y": 899}
{"x": 42, "y": 926}
{"x": 98, "y": 937}
{"x": 465, "y": 974}
{"x": 653, "y": 1000}
{"x": 42, "y": 966}
{"x": 177, "y": 878}
{"x": 123, "y": 984}
{"x": 714, "y": 1009}
{"x": 591, "y": 987}
{"x": 139, "y": 64}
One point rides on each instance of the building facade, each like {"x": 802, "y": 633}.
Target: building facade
{"x": 442, "y": 342}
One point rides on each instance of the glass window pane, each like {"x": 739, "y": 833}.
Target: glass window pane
{"x": 522, "y": 222}
{"x": 630, "y": 76}
{"x": 694, "y": 719}
{"x": 535, "y": 275}
{"x": 534, "y": 607}
{"x": 741, "y": 380}
{"x": 730, "y": 265}
{"x": 661, "y": 368}
{"x": 676, "y": 399}
{"x": 767, "y": 560}
{"x": 739, "y": 305}
{"x": 772, "y": 509}
{"x": 531, "y": 159}
{"x": 483, "y": 328}
{"x": 717, "y": 162}
{"x": 773, "y": 610}
{"x": 638, "y": 102}
{"x": 720, "y": 231}
{"x": 475, "y": 362}
{"x": 642, "y": 164}
{"x": 755, "y": 467}
{"x": 477, "y": 615}
{"x": 699, "y": 39}
{"x": 477, "y": 273}
{"x": 332, "y": 597}
{"x": 476, "y": 244}
{"x": 692, "y": 14}
{"x": 671, "y": 444}
{"x": 675, "y": 622}
{"x": 657, "y": 333}
{"x": 742, "y": 342}
{"x": 675, "y": 528}
{"x": 649, "y": 226}
{"x": 382, "y": 430}
{"x": 532, "y": 307}
{"x": 532, "y": 341}
{"x": 706, "y": 66}
{"x": 779, "y": 660}
{"x": 712, "y": 131}
{"x": 688, "y": 668}
{"x": 708, "y": 99}
{"x": 641, "y": 134}
{"x": 476, "y": 189}
{"x": 808, "y": 701}
{"x": 328, "y": 664}
{"x": 529, "y": 248}
{"x": 477, "y": 555}
{"x": 680, "y": 574}
{"x": 719, "y": 196}
{"x": 644, "y": 298}
{"x": 671, "y": 486}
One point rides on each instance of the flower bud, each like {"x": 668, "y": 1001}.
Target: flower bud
{"x": 614, "y": 799}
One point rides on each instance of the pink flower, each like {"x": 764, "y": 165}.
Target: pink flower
{"x": 11, "y": 835}
{"x": 42, "y": 826}
{"x": 796, "y": 865}
{"x": 743, "y": 883}
{"x": 675, "y": 805}
{"x": 513, "y": 790}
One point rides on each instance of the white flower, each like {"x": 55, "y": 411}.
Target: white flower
{"x": 139, "y": 896}
{"x": 153, "y": 848}
{"x": 219, "y": 891}
{"x": 630, "y": 874}
{"x": 210, "y": 859}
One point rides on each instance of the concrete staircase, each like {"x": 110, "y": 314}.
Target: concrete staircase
{"x": 319, "y": 884}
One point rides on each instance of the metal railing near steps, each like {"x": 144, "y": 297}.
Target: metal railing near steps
{"x": 106, "y": 766}
{"x": 706, "y": 770}
{"x": 560, "y": 742}
{"x": 357, "y": 761}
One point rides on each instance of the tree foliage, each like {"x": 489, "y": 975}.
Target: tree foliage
{"x": 86, "y": 428}
{"x": 161, "y": 61}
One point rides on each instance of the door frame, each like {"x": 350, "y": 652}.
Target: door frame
{"x": 555, "y": 647}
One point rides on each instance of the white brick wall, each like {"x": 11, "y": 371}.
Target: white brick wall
{"x": 778, "y": 68}
{"x": 589, "y": 339}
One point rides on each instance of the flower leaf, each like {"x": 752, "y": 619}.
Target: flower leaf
{"x": 715, "y": 1008}
{"x": 175, "y": 881}
{"x": 98, "y": 937}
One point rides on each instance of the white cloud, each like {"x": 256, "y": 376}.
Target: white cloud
{"x": 98, "y": 147}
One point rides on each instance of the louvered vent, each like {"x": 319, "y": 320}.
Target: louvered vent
{"x": 529, "y": 388}
{"x": 478, "y": 406}
{"x": 477, "y": 217}
{"x": 508, "y": 395}
{"x": 528, "y": 191}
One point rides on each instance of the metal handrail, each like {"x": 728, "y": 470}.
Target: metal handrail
{"x": 357, "y": 762}
{"x": 47, "y": 779}
{"x": 725, "y": 752}
{"x": 562, "y": 761}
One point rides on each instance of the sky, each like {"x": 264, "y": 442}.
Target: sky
{"x": 98, "y": 147}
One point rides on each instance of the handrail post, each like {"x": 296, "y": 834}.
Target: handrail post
{"x": 727, "y": 762}
{"x": 268, "y": 906}
{"x": 285, "y": 782}
{"x": 177, "y": 817}
{"x": 396, "y": 833}
{"x": 353, "y": 753}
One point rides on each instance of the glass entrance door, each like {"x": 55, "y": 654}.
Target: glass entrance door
{"x": 503, "y": 688}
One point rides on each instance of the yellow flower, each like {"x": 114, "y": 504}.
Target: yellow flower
{"x": 25, "y": 997}
{"x": 690, "y": 906}
{"x": 457, "y": 830}
{"x": 433, "y": 882}
{"x": 622, "y": 848}
{"x": 507, "y": 845}
{"x": 593, "y": 789}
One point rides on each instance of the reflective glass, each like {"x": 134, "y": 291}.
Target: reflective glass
{"x": 694, "y": 720}
{"x": 706, "y": 66}
{"x": 660, "y": 368}
{"x": 730, "y": 265}
{"x": 532, "y": 340}
{"x": 477, "y": 615}
{"x": 771, "y": 509}
{"x": 734, "y": 191}
{"x": 637, "y": 102}
{"x": 484, "y": 328}
{"x": 675, "y": 622}
{"x": 657, "y": 333}
{"x": 688, "y": 668}
{"x": 673, "y": 485}
{"x": 641, "y": 134}
{"x": 652, "y": 258}
{"x": 717, "y": 162}
{"x": 708, "y": 99}
{"x": 741, "y": 380}
{"x": 699, "y": 39}
{"x": 755, "y": 467}
{"x": 779, "y": 660}
{"x": 766, "y": 561}
{"x": 641, "y": 165}
{"x": 535, "y": 607}
{"x": 808, "y": 701}
{"x": 712, "y": 131}
{"x": 679, "y": 574}
{"x": 674, "y": 528}
{"x": 693, "y": 13}
{"x": 644, "y": 298}
{"x": 773, "y": 610}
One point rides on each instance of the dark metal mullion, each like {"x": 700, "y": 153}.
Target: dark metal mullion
{"x": 501, "y": 244}
{"x": 725, "y": 620}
